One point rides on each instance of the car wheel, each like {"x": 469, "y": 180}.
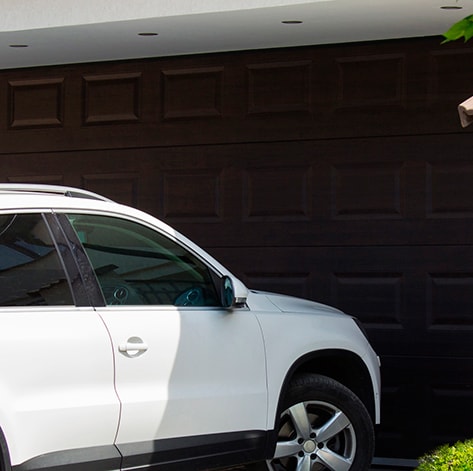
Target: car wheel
{"x": 322, "y": 426}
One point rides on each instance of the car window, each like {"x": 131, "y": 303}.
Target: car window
{"x": 31, "y": 273}
{"x": 137, "y": 265}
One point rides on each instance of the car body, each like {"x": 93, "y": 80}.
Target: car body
{"x": 125, "y": 346}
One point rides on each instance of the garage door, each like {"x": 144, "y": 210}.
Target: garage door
{"x": 338, "y": 174}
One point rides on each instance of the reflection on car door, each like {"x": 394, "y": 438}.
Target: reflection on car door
{"x": 185, "y": 367}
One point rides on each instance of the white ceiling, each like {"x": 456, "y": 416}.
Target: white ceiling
{"x": 71, "y": 31}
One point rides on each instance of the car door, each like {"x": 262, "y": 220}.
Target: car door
{"x": 188, "y": 372}
{"x": 56, "y": 363}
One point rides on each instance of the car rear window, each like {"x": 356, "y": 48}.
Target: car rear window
{"x": 31, "y": 273}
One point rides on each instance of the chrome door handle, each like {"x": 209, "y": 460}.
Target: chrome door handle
{"x": 133, "y": 347}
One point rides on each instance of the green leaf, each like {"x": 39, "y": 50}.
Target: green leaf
{"x": 460, "y": 29}
{"x": 469, "y": 32}
{"x": 457, "y": 457}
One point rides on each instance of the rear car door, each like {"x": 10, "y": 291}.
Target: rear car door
{"x": 58, "y": 403}
{"x": 190, "y": 374}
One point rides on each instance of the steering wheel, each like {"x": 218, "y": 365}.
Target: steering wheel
{"x": 191, "y": 297}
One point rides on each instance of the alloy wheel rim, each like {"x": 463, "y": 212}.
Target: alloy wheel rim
{"x": 314, "y": 436}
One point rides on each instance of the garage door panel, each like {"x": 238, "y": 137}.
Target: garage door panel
{"x": 421, "y": 400}
{"x": 192, "y": 195}
{"x": 367, "y": 191}
{"x": 277, "y": 193}
{"x": 450, "y": 189}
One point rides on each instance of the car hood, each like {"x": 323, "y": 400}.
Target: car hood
{"x": 286, "y": 303}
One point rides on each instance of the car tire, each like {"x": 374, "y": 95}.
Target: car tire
{"x": 323, "y": 426}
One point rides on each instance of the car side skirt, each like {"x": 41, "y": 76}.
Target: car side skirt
{"x": 101, "y": 458}
{"x": 199, "y": 452}
{"x": 172, "y": 454}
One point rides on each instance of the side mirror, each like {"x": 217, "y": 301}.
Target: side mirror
{"x": 227, "y": 292}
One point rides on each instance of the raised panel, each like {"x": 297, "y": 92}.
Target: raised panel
{"x": 36, "y": 103}
{"x": 193, "y": 93}
{"x": 371, "y": 80}
{"x": 450, "y": 300}
{"x": 450, "y": 189}
{"x": 366, "y": 191}
{"x": 111, "y": 99}
{"x": 190, "y": 195}
{"x": 277, "y": 193}
{"x": 446, "y": 402}
{"x": 120, "y": 187}
{"x": 373, "y": 298}
{"x": 451, "y": 75}
{"x": 279, "y": 87}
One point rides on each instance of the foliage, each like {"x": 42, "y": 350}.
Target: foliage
{"x": 458, "y": 457}
{"x": 460, "y": 29}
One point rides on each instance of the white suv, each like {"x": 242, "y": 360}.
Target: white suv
{"x": 124, "y": 346}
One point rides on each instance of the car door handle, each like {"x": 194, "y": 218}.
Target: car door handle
{"x": 133, "y": 347}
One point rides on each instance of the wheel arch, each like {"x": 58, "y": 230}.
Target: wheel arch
{"x": 343, "y": 366}
{"x": 5, "y": 464}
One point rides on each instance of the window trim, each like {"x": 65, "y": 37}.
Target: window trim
{"x": 89, "y": 292}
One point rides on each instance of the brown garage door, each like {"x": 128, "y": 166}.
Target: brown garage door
{"x": 338, "y": 174}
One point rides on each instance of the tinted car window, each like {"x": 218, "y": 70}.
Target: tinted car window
{"x": 137, "y": 265}
{"x": 30, "y": 269}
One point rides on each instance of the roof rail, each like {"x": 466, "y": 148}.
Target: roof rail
{"x": 51, "y": 189}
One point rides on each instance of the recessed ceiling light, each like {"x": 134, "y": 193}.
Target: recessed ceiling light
{"x": 291, "y": 22}
{"x": 18, "y": 45}
{"x": 451, "y": 7}
{"x": 147, "y": 34}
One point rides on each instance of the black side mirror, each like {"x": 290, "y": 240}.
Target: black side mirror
{"x": 227, "y": 292}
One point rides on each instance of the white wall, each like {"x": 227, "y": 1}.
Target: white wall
{"x": 20, "y": 15}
